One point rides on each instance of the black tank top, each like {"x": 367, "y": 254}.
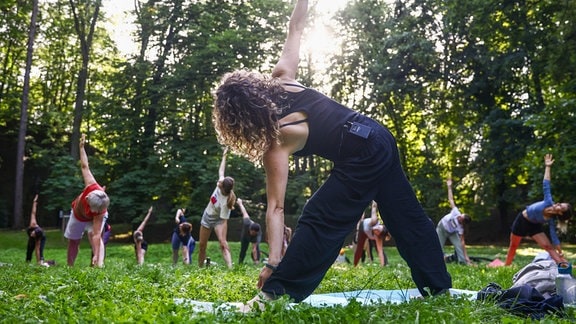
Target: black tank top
{"x": 326, "y": 118}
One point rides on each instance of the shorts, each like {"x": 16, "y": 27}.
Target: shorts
{"x": 523, "y": 227}
{"x": 210, "y": 221}
{"x": 75, "y": 228}
{"x": 144, "y": 246}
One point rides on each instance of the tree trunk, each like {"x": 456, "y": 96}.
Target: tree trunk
{"x": 85, "y": 47}
{"x": 19, "y": 178}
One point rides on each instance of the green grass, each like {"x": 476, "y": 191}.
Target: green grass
{"x": 123, "y": 292}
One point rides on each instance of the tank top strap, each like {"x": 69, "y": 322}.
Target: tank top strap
{"x": 295, "y": 85}
{"x": 294, "y": 122}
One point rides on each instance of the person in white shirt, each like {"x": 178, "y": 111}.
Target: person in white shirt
{"x": 451, "y": 227}
{"x": 216, "y": 215}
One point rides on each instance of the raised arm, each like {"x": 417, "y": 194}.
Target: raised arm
{"x": 143, "y": 224}
{"x": 450, "y": 195}
{"x": 463, "y": 242}
{"x": 242, "y": 208}
{"x": 374, "y": 214}
{"x": 33, "y": 222}
{"x": 548, "y": 161}
{"x": 222, "y": 169}
{"x": 179, "y": 212}
{"x": 287, "y": 65}
{"x": 86, "y": 173}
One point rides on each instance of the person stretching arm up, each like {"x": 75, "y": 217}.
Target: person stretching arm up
{"x": 268, "y": 118}
{"x": 251, "y": 233}
{"x": 451, "y": 227}
{"x": 36, "y": 237}
{"x": 140, "y": 245}
{"x": 529, "y": 222}
{"x": 89, "y": 211}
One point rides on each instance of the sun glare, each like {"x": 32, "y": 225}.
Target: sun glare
{"x": 320, "y": 39}
{"x": 318, "y": 42}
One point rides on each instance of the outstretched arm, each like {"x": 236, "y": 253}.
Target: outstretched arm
{"x": 374, "y": 214}
{"x": 287, "y": 65}
{"x": 96, "y": 240}
{"x": 143, "y": 224}
{"x": 86, "y": 173}
{"x": 277, "y": 167}
{"x": 222, "y": 169}
{"x": 179, "y": 212}
{"x": 242, "y": 209}
{"x": 33, "y": 222}
{"x": 450, "y": 195}
{"x": 463, "y": 242}
{"x": 548, "y": 161}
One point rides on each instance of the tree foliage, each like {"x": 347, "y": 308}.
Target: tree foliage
{"x": 478, "y": 90}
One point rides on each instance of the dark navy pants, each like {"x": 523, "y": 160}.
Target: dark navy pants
{"x": 368, "y": 171}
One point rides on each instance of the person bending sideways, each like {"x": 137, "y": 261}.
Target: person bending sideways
{"x": 140, "y": 245}
{"x": 182, "y": 238}
{"x": 370, "y": 229}
{"x": 451, "y": 227}
{"x": 216, "y": 215}
{"x": 269, "y": 118}
{"x": 251, "y": 233}
{"x": 89, "y": 212}
{"x": 529, "y": 222}
{"x": 36, "y": 237}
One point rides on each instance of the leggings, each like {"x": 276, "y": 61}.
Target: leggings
{"x": 32, "y": 246}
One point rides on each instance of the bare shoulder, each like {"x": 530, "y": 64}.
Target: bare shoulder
{"x": 293, "y": 137}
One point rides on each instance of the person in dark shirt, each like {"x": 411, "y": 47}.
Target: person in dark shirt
{"x": 36, "y": 237}
{"x": 182, "y": 237}
{"x": 269, "y": 118}
{"x": 251, "y": 233}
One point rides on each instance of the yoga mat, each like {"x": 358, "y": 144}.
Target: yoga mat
{"x": 365, "y": 297}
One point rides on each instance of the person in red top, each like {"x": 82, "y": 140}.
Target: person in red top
{"x": 89, "y": 212}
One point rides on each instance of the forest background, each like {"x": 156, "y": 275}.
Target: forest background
{"x": 478, "y": 90}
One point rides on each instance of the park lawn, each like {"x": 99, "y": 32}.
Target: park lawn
{"x": 123, "y": 292}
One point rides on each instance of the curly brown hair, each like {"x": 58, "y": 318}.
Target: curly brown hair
{"x": 245, "y": 113}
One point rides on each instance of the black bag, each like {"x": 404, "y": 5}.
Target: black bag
{"x": 523, "y": 300}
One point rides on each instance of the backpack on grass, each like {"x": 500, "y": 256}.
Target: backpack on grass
{"x": 539, "y": 274}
